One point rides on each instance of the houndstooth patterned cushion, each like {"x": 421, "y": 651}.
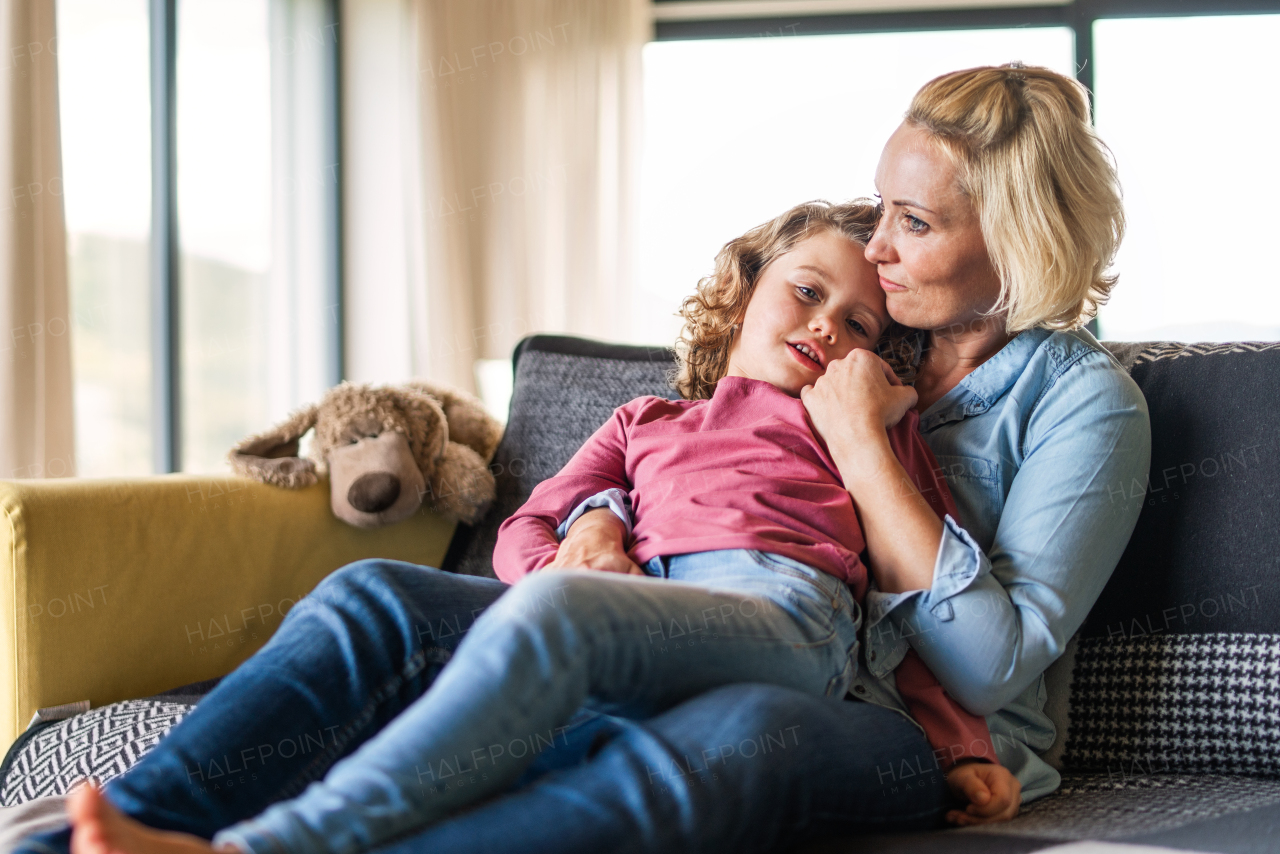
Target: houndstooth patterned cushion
{"x": 101, "y": 744}
{"x": 1201, "y": 704}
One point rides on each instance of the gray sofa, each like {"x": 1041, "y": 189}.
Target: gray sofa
{"x": 1168, "y": 700}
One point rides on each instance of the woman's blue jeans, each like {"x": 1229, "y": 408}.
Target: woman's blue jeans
{"x": 747, "y": 766}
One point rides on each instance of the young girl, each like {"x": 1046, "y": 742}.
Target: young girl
{"x": 749, "y": 540}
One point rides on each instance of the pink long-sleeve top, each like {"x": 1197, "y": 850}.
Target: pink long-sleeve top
{"x": 743, "y": 470}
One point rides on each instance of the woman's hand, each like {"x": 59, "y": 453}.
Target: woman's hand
{"x": 595, "y": 541}
{"x": 856, "y": 394}
{"x": 993, "y": 794}
{"x": 852, "y": 406}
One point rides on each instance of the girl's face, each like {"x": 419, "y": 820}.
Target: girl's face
{"x": 932, "y": 258}
{"x": 811, "y": 306}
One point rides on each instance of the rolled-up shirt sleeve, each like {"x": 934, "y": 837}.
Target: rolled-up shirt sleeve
{"x": 992, "y": 621}
{"x": 960, "y": 560}
{"x": 615, "y": 499}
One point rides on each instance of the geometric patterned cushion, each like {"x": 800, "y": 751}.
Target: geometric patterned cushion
{"x": 101, "y": 744}
{"x": 1177, "y": 703}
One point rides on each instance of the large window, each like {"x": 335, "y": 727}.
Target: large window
{"x": 739, "y": 130}
{"x": 746, "y": 116}
{"x": 224, "y": 215}
{"x": 255, "y": 273}
{"x": 1189, "y": 107}
{"x": 105, "y": 109}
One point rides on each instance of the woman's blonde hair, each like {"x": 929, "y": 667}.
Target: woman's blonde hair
{"x": 1043, "y": 184}
{"x": 713, "y": 315}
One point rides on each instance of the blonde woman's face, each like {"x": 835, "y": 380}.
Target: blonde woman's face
{"x": 811, "y": 306}
{"x": 928, "y": 248}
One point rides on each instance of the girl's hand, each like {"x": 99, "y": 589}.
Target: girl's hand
{"x": 857, "y": 393}
{"x": 992, "y": 792}
{"x": 595, "y": 541}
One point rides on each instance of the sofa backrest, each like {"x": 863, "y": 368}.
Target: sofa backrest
{"x": 1177, "y": 668}
{"x": 565, "y": 388}
{"x": 1178, "y": 665}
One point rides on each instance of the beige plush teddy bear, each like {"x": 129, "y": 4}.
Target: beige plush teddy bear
{"x": 388, "y": 450}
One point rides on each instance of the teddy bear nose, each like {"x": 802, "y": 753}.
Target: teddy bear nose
{"x": 374, "y": 492}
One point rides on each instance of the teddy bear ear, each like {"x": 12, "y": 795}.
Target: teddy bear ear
{"x": 428, "y": 430}
{"x": 461, "y": 487}
{"x": 272, "y": 457}
{"x": 469, "y": 423}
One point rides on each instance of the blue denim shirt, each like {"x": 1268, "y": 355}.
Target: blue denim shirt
{"x": 1046, "y": 448}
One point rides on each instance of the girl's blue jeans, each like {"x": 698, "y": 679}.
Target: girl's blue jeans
{"x": 331, "y": 721}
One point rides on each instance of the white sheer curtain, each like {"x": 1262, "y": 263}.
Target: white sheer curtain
{"x": 304, "y": 171}
{"x": 528, "y": 128}
{"x": 37, "y": 437}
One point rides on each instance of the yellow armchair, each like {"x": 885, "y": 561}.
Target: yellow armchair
{"x": 114, "y": 589}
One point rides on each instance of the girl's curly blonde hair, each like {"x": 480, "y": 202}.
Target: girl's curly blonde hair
{"x": 713, "y": 314}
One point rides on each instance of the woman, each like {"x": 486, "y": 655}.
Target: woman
{"x": 1001, "y": 217}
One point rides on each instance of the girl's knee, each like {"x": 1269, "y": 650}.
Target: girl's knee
{"x": 541, "y": 594}
{"x": 560, "y": 599}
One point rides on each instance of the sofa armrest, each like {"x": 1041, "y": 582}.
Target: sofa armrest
{"x": 111, "y": 589}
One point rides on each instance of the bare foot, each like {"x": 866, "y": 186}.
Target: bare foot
{"x": 100, "y": 828}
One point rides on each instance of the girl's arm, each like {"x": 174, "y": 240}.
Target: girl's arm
{"x": 955, "y": 734}
{"x": 988, "y": 623}
{"x": 528, "y": 541}
{"x": 962, "y": 744}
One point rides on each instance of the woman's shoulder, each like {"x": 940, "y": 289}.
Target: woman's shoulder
{"x": 1073, "y": 362}
{"x": 1080, "y": 381}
